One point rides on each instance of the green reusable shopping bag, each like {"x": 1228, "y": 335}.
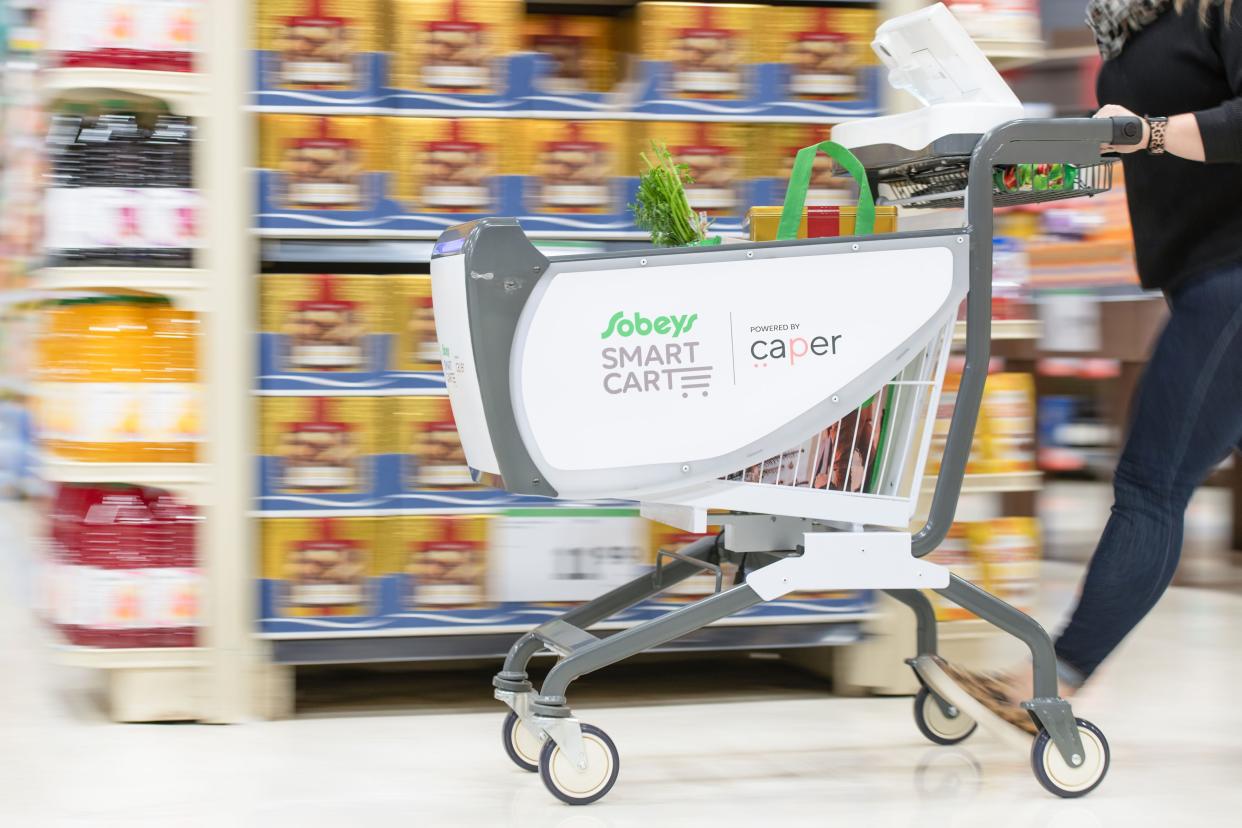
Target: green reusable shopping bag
{"x": 800, "y": 181}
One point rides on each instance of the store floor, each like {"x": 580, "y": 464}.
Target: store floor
{"x": 776, "y": 750}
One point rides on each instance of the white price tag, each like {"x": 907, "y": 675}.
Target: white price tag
{"x": 564, "y": 557}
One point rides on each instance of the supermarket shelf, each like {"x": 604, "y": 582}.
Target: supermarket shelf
{"x": 1012, "y": 329}
{"x": 547, "y": 115}
{"x": 136, "y": 658}
{"x": 190, "y": 479}
{"x": 1012, "y": 54}
{"x": 183, "y": 90}
{"x": 425, "y": 235}
{"x": 293, "y": 247}
{"x": 305, "y": 649}
{"x": 185, "y": 284}
{"x": 1023, "y": 481}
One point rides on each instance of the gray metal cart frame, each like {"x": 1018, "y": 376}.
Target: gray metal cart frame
{"x": 756, "y": 541}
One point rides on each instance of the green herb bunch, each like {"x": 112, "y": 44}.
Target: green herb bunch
{"x": 661, "y": 206}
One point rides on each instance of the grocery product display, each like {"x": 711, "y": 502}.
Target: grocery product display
{"x": 121, "y": 568}
{"x": 116, "y": 380}
{"x": 151, "y": 35}
{"x": 120, "y": 191}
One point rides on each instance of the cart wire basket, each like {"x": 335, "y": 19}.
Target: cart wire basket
{"x": 941, "y": 183}
{"x": 787, "y": 389}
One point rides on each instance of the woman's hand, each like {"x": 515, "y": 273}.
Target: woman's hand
{"x": 1114, "y": 111}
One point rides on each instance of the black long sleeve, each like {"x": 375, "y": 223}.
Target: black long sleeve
{"x": 1221, "y": 126}
{"x": 1186, "y": 215}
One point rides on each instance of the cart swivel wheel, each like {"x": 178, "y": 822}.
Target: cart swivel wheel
{"x": 580, "y": 786}
{"x": 936, "y": 725}
{"x": 1062, "y": 778}
{"x": 521, "y": 745}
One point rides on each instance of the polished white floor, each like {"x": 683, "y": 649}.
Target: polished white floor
{"x": 1168, "y": 704}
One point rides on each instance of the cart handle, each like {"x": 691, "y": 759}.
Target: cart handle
{"x": 1061, "y": 140}
{"x": 800, "y": 182}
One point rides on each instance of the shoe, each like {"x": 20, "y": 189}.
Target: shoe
{"x": 991, "y": 691}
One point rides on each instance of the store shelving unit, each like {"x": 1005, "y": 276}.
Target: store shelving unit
{"x": 185, "y": 92}
{"x": 215, "y": 680}
{"x": 185, "y": 285}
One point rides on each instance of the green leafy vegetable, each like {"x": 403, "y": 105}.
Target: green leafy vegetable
{"x": 661, "y": 206}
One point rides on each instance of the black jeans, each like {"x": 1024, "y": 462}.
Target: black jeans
{"x": 1187, "y": 416}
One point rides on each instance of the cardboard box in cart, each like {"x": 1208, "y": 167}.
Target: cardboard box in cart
{"x": 321, "y": 330}
{"x": 316, "y": 52}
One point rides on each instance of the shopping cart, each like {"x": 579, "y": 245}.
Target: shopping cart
{"x": 730, "y": 380}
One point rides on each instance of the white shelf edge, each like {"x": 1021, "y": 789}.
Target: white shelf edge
{"x": 411, "y": 632}
{"x": 187, "y": 479}
{"x": 183, "y": 283}
{"x": 181, "y": 88}
{"x": 1007, "y": 329}
{"x": 558, "y": 115}
{"x": 1022, "y": 481}
{"x": 127, "y": 658}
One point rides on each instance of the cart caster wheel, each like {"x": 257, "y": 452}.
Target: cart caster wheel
{"x": 1063, "y": 779}
{"x": 935, "y": 725}
{"x": 575, "y": 786}
{"x": 520, "y": 744}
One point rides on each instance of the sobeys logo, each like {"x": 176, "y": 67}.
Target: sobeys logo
{"x": 639, "y": 325}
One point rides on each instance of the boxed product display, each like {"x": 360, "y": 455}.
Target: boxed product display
{"x": 321, "y": 163}
{"x": 322, "y": 326}
{"x": 323, "y": 450}
{"x": 317, "y": 51}
{"x": 454, "y": 52}
{"x": 718, "y": 155}
{"x": 414, "y": 345}
{"x": 701, "y": 50}
{"x": 575, "y": 166}
{"x": 443, "y": 558}
{"x": 449, "y": 165}
{"x": 427, "y": 440}
{"x": 320, "y": 566}
{"x": 825, "y": 50}
{"x": 155, "y": 35}
{"x": 1007, "y": 423}
{"x": 1009, "y": 550}
{"x": 578, "y": 49}
{"x": 956, "y": 554}
{"x": 560, "y": 554}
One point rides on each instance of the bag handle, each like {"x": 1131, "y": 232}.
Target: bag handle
{"x": 800, "y": 182}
